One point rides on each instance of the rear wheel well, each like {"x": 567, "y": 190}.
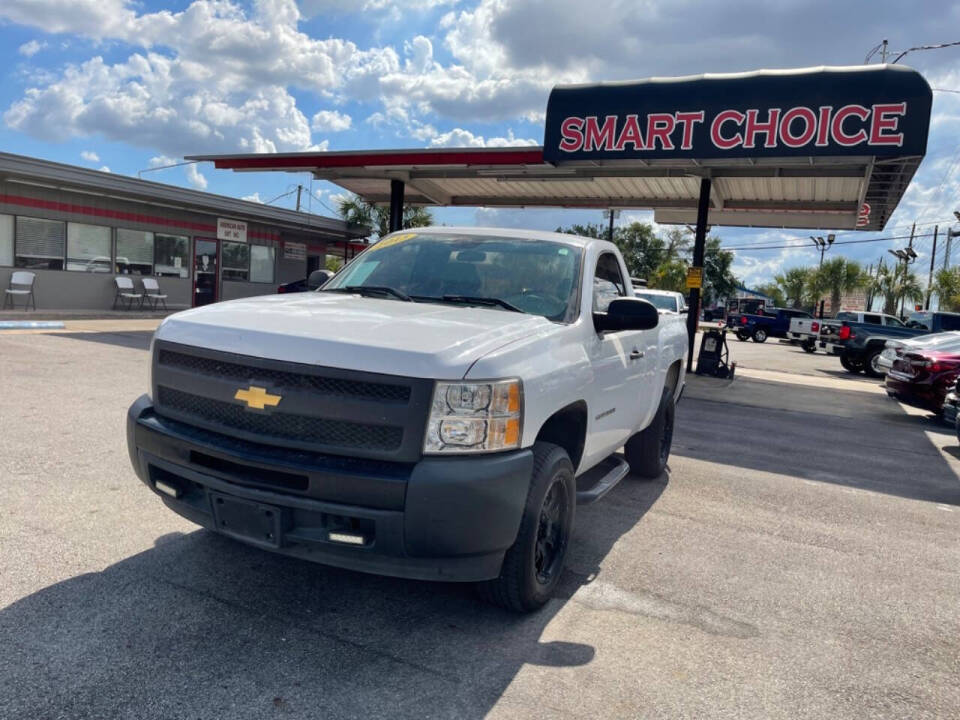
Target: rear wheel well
{"x": 567, "y": 428}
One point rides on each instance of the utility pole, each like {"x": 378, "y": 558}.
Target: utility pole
{"x": 613, "y": 214}
{"x": 823, "y": 245}
{"x": 946, "y": 255}
{"x": 299, "y": 190}
{"x": 933, "y": 256}
{"x": 883, "y": 52}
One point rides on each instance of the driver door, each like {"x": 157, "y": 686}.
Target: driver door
{"x": 620, "y": 363}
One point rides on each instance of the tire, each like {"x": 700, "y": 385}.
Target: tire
{"x": 533, "y": 565}
{"x": 648, "y": 451}
{"x": 809, "y": 346}
{"x": 850, "y": 364}
{"x": 870, "y": 367}
{"x": 760, "y": 335}
{"x": 743, "y": 335}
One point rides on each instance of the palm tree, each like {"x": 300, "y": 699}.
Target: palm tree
{"x": 356, "y": 210}
{"x": 897, "y": 284}
{"x": 946, "y": 284}
{"x": 908, "y": 285}
{"x": 794, "y": 284}
{"x": 838, "y": 276}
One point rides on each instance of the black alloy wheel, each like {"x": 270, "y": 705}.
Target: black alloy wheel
{"x": 552, "y": 534}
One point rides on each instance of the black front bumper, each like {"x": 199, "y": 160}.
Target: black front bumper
{"x": 446, "y": 519}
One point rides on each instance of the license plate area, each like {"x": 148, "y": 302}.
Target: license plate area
{"x": 247, "y": 520}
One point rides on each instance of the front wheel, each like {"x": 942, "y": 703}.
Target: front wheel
{"x": 648, "y": 451}
{"x": 532, "y": 566}
{"x": 760, "y": 335}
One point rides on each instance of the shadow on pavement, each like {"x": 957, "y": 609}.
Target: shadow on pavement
{"x": 203, "y": 627}
{"x": 873, "y": 446}
{"x": 137, "y": 339}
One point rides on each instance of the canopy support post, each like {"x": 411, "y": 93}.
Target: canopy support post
{"x": 396, "y": 205}
{"x": 699, "y": 246}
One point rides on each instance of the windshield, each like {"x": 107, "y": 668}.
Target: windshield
{"x": 538, "y": 277}
{"x": 662, "y": 302}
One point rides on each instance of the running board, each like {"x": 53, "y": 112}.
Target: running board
{"x": 600, "y": 480}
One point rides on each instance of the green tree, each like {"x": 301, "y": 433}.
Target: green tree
{"x": 719, "y": 282}
{"x": 896, "y": 285}
{"x": 670, "y": 275}
{"x": 642, "y": 250}
{"x": 794, "y": 285}
{"x": 591, "y": 230}
{"x": 838, "y": 276}
{"x": 946, "y": 284}
{"x": 333, "y": 263}
{"x": 774, "y": 291}
{"x": 356, "y": 210}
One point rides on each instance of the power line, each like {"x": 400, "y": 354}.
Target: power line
{"x": 799, "y": 244}
{"x": 758, "y": 243}
{"x": 283, "y": 195}
{"x": 924, "y": 47}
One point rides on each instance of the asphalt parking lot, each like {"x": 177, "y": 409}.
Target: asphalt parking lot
{"x": 801, "y": 559}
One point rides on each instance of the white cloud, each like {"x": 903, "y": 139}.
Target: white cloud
{"x": 90, "y": 156}
{"x": 330, "y": 121}
{"x": 161, "y": 160}
{"x": 253, "y": 198}
{"x": 104, "y": 168}
{"x": 31, "y": 48}
{"x": 458, "y": 137}
{"x": 195, "y": 178}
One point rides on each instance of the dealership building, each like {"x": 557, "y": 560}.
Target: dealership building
{"x": 77, "y": 229}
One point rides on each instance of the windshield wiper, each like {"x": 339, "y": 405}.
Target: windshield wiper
{"x": 489, "y": 301}
{"x": 374, "y": 291}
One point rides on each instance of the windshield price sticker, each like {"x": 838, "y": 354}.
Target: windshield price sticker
{"x": 392, "y": 240}
{"x": 694, "y": 278}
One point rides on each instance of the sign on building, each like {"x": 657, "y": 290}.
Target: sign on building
{"x": 294, "y": 251}
{"x": 232, "y": 230}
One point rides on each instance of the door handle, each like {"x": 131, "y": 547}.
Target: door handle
{"x": 636, "y": 354}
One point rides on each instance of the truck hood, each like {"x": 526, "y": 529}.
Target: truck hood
{"x": 427, "y": 340}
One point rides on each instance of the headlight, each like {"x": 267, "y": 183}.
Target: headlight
{"x": 475, "y": 417}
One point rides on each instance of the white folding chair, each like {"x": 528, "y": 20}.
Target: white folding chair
{"x": 21, "y": 285}
{"x": 126, "y": 294}
{"x": 151, "y": 290}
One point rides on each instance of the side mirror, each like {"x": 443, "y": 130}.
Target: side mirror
{"x": 684, "y": 310}
{"x": 318, "y": 278}
{"x": 627, "y": 314}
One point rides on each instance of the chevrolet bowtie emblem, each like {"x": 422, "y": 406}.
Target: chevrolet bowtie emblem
{"x": 257, "y": 398}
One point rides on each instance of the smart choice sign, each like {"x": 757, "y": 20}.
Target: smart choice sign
{"x": 873, "y": 111}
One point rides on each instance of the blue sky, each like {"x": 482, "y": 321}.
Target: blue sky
{"x": 128, "y": 85}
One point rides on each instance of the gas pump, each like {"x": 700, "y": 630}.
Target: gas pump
{"x": 714, "y": 357}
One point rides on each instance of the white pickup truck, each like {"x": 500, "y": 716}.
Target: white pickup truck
{"x": 805, "y": 330}
{"x": 435, "y": 411}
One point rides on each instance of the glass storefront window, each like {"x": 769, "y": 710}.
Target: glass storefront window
{"x": 134, "y": 252}
{"x": 40, "y": 244}
{"x": 236, "y": 261}
{"x": 6, "y": 240}
{"x": 261, "y": 263}
{"x": 172, "y": 255}
{"x": 88, "y": 248}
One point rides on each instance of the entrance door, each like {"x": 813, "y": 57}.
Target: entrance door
{"x": 205, "y": 289}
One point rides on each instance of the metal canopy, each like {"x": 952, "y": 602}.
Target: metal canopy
{"x": 831, "y": 148}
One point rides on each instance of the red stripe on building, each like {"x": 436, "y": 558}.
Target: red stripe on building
{"x": 90, "y": 211}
